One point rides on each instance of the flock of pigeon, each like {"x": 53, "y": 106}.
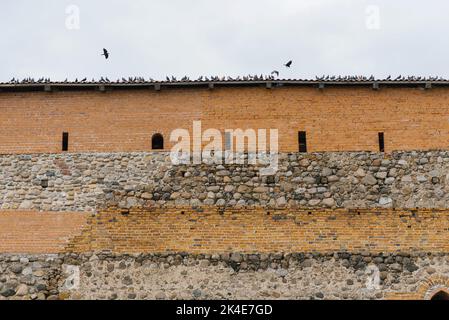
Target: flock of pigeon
{"x": 372, "y": 78}
{"x": 273, "y": 76}
{"x": 261, "y": 77}
{"x": 143, "y": 80}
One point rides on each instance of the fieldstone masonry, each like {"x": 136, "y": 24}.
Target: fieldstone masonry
{"x": 87, "y": 182}
{"x": 339, "y": 275}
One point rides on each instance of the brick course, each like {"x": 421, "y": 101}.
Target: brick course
{"x": 256, "y": 230}
{"x": 213, "y": 231}
{"x": 38, "y": 232}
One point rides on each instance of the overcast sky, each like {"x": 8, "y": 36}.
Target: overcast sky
{"x": 155, "y": 38}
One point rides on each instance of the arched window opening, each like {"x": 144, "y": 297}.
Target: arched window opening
{"x": 157, "y": 142}
{"x": 440, "y": 295}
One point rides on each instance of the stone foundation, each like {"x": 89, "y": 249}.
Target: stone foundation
{"x": 226, "y": 276}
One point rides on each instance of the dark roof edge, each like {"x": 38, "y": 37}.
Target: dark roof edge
{"x": 157, "y": 85}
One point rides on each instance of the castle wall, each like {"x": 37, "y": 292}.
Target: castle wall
{"x": 335, "y": 119}
{"x": 87, "y": 182}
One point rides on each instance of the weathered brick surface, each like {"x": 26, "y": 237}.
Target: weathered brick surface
{"x": 38, "y": 232}
{"x": 335, "y": 119}
{"x": 213, "y": 231}
{"x": 256, "y": 230}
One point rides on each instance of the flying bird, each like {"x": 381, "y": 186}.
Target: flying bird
{"x": 105, "y": 53}
{"x": 275, "y": 72}
{"x": 288, "y": 64}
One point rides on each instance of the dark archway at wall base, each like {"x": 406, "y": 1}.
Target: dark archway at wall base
{"x": 440, "y": 295}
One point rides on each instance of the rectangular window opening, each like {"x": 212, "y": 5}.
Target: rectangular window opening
{"x": 65, "y": 141}
{"x": 302, "y": 141}
{"x": 381, "y": 142}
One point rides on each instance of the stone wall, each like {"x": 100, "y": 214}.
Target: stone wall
{"x": 338, "y": 275}
{"x": 30, "y": 276}
{"x": 87, "y": 182}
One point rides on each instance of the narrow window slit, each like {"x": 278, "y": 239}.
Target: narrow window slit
{"x": 65, "y": 141}
{"x": 381, "y": 142}
{"x": 302, "y": 141}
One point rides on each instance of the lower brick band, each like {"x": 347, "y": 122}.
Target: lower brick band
{"x": 211, "y": 230}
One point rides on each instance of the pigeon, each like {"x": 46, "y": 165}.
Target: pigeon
{"x": 105, "y": 53}
{"x": 288, "y": 64}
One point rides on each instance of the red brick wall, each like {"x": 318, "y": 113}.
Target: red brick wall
{"x": 335, "y": 119}
{"x": 38, "y": 232}
{"x": 210, "y": 231}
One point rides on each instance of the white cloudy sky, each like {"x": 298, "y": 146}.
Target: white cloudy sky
{"x": 154, "y": 38}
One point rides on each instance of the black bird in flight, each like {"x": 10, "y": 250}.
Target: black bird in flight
{"x": 105, "y": 53}
{"x": 275, "y": 72}
{"x": 288, "y": 64}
